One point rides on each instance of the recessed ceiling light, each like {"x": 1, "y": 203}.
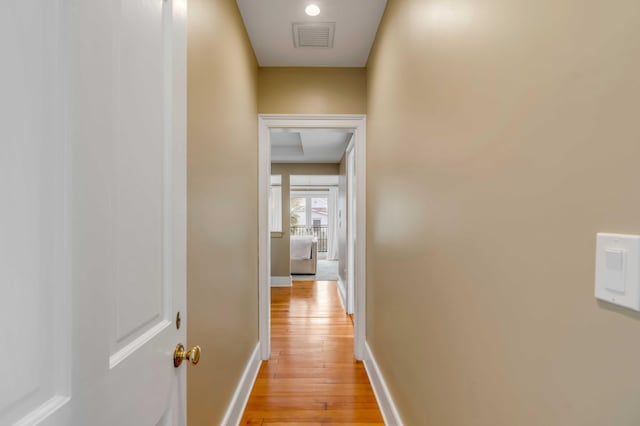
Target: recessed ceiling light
{"x": 312, "y": 10}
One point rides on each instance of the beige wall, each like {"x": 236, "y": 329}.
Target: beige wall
{"x": 280, "y": 266}
{"x": 312, "y": 91}
{"x": 222, "y": 186}
{"x": 502, "y": 135}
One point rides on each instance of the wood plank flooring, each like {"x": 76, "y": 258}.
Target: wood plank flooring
{"x": 312, "y": 377}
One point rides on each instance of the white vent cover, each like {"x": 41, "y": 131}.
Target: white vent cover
{"x": 313, "y": 34}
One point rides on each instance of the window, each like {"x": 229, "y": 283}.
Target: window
{"x": 309, "y": 216}
{"x": 275, "y": 203}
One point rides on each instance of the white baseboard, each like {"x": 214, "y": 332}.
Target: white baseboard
{"x": 281, "y": 281}
{"x": 241, "y": 395}
{"x": 383, "y": 396}
{"x": 342, "y": 290}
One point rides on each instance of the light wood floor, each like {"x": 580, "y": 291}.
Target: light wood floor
{"x": 312, "y": 377}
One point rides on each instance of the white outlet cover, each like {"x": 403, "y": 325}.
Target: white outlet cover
{"x": 618, "y": 269}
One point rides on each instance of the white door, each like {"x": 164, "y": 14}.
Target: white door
{"x": 92, "y": 221}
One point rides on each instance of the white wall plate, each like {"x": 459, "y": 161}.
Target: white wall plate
{"x": 618, "y": 269}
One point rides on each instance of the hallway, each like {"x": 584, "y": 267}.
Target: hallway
{"x": 312, "y": 377}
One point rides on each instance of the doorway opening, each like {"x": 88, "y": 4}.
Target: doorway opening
{"x": 309, "y": 203}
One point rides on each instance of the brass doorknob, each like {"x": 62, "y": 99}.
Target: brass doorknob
{"x": 193, "y": 355}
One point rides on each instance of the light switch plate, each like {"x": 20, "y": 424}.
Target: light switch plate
{"x": 618, "y": 269}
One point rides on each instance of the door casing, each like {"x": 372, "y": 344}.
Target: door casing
{"x": 351, "y": 235}
{"x": 266, "y": 122}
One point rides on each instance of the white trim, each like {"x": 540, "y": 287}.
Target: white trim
{"x": 351, "y": 234}
{"x": 322, "y": 191}
{"x": 238, "y": 403}
{"x": 44, "y": 411}
{"x": 275, "y": 207}
{"x": 264, "y": 240}
{"x": 360, "y": 306}
{"x": 343, "y": 294}
{"x": 302, "y": 277}
{"x": 383, "y": 396}
{"x": 138, "y": 343}
{"x": 281, "y": 281}
{"x": 356, "y": 123}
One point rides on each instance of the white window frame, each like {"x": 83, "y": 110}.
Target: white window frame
{"x": 308, "y": 195}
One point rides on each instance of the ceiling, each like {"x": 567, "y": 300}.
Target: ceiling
{"x": 271, "y": 31}
{"x": 308, "y": 146}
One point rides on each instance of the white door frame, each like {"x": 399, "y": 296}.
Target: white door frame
{"x": 351, "y": 234}
{"x": 343, "y": 121}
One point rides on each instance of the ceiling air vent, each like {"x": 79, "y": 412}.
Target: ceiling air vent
{"x": 313, "y": 34}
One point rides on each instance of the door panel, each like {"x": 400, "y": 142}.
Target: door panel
{"x": 141, "y": 185}
{"x": 34, "y": 256}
